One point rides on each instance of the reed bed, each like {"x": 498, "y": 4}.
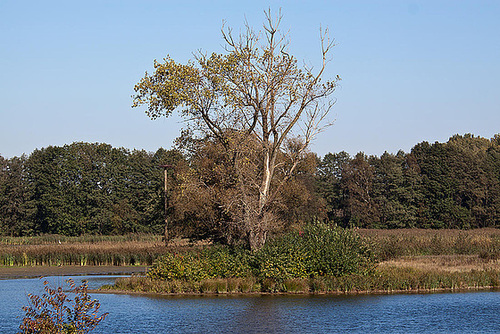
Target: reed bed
{"x": 391, "y": 244}
{"x": 96, "y": 254}
{"x": 49, "y": 239}
{"x": 87, "y": 250}
{"x": 143, "y": 249}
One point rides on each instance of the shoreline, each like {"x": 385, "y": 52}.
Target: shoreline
{"x": 70, "y": 270}
{"x": 332, "y": 293}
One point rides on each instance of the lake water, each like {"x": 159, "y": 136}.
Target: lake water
{"x": 472, "y": 312}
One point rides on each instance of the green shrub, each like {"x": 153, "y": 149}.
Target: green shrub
{"x": 188, "y": 266}
{"x": 283, "y": 258}
{"x": 319, "y": 250}
{"x": 226, "y": 262}
{"x": 211, "y": 262}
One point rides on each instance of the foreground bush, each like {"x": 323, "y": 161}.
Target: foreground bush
{"x": 54, "y": 313}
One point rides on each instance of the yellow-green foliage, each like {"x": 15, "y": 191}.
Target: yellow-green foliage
{"x": 283, "y": 258}
{"x": 319, "y": 250}
{"x": 210, "y": 262}
{"x": 187, "y": 266}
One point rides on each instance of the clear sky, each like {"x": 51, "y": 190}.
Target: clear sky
{"x": 411, "y": 70}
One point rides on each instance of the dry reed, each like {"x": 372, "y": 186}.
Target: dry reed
{"x": 89, "y": 250}
{"x": 390, "y": 244}
{"x": 95, "y": 254}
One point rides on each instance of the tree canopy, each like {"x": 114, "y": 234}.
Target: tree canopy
{"x": 442, "y": 185}
{"x": 83, "y": 188}
{"x": 95, "y": 188}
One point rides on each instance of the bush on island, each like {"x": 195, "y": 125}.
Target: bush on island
{"x": 318, "y": 250}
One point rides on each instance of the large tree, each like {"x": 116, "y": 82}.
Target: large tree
{"x": 212, "y": 198}
{"x": 256, "y": 90}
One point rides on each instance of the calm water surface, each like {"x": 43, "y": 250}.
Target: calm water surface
{"x": 473, "y": 312}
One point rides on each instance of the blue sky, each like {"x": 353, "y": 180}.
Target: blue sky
{"x": 411, "y": 70}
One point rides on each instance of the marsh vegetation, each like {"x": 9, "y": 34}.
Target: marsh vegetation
{"x": 412, "y": 261}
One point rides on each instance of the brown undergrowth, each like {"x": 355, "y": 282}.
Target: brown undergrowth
{"x": 446, "y": 263}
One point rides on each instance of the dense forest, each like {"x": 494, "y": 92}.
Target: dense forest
{"x": 86, "y": 188}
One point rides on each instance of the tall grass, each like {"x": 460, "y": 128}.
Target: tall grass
{"x": 385, "y": 280}
{"x": 48, "y": 239}
{"x": 82, "y": 254}
{"x": 391, "y": 244}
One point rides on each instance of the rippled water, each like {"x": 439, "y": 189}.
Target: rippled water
{"x": 473, "y": 312}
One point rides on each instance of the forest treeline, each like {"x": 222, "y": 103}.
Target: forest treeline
{"x": 82, "y": 188}
{"x": 86, "y": 188}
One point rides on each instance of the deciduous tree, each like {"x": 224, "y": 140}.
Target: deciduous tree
{"x": 255, "y": 91}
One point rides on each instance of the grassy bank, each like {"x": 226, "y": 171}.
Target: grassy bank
{"x": 404, "y": 274}
{"x": 386, "y": 279}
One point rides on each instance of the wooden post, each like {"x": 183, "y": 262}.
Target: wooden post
{"x": 165, "y": 235}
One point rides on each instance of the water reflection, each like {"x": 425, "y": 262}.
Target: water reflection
{"x": 258, "y": 312}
